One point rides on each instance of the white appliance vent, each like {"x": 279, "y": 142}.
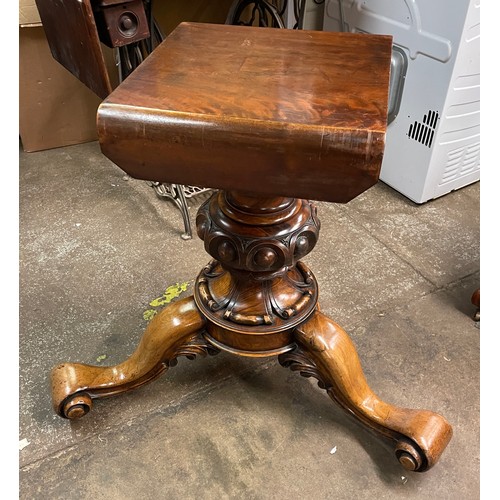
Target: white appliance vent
{"x": 461, "y": 161}
{"x": 433, "y": 131}
{"x": 423, "y": 131}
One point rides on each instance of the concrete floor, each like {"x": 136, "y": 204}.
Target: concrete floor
{"x": 96, "y": 249}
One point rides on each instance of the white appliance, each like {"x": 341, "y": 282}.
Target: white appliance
{"x": 432, "y": 142}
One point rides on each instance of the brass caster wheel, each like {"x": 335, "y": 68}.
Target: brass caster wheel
{"x": 408, "y": 456}
{"x": 77, "y": 406}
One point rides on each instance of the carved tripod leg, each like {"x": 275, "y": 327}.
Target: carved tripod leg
{"x": 175, "y": 331}
{"x": 326, "y": 352}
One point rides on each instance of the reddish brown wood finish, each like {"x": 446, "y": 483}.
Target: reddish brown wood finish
{"x": 325, "y": 351}
{"x": 475, "y": 299}
{"x": 121, "y": 22}
{"x": 256, "y": 291}
{"x": 271, "y": 112}
{"x": 175, "y": 332}
{"x": 275, "y": 117}
{"x": 74, "y": 42}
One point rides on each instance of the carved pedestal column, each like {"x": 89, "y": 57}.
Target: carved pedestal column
{"x": 256, "y": 291}
{"x": 256, "y": 298}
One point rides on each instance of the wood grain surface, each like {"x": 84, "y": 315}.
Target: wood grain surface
{"x": 74, "y": 42}
{"x": 326, "y": 352}
{"x": 266, "y": 111}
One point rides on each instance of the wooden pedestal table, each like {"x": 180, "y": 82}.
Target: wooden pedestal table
{"x": 272, "y": 119}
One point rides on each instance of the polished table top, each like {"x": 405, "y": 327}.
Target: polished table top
{"x": 262, "y": 110}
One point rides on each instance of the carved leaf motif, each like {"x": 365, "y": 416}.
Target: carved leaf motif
{"x": 196, "y": 346}
{"x": 297, "y": 360}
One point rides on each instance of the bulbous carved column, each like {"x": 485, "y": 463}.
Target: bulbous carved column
{"x": 256, "y": 290}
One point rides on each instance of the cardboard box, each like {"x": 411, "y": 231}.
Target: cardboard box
{"x": 55, "y": 108}
{"x": 28, "y": 13}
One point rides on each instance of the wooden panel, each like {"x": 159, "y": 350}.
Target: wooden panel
{"x": 74, "y": 42}
{"x": 268, "y": 111}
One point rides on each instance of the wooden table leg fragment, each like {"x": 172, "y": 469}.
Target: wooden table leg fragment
{"x": 475, "y": 299}
{"x": 235, "y": 108}
{"x": 175, "y": 331}
{"x": 326, "y": 352}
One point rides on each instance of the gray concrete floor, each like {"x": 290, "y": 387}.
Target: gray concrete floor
{"x": 96, "y": 249}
